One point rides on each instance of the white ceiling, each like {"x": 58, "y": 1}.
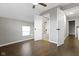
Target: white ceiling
{"x": 72, "y": 12}
{"x": 24, "y": 11}
{"x": 40, "y": 9}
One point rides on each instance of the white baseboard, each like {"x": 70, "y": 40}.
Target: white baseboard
{"x": 55, "y": 43}
{"x": 52, "y": 41}
{"x": 14, "y": 42}
{"x": 59, "y": 44}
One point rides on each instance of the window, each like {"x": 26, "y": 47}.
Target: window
{"x": 25, "y": 30}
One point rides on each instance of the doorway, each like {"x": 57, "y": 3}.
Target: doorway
{"x": 45, "y": 28}
{"x": 72, "y": 28}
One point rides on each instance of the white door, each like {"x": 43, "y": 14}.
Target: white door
{"x": 37, "y": 27}
{"x": 61, "y": 18}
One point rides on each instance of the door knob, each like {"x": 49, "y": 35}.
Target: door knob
{"x": 57, "y": 29}
{"x": 35, "y": 28}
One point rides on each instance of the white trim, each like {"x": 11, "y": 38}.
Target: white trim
{"x": 60, "y": 44}
{"x": 55, "y": 43}
{"x": 14, "y": 42}
{"x": 52, "y": 41}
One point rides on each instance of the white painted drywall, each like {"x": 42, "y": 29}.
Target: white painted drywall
{"x": 53, "y": 37}
{"x": 76, "y": 25}
{"x": 18, "y": 11}
{"x": 53, "y": 33}
{"x": 67, "y": 27}
{"x": 11, "y": 30}
{"x": 78, "y": 33}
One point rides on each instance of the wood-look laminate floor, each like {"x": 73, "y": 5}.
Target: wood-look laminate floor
{"x": 29, "y": 48}
{"x": 42, "y": 48}
{"x": 70, "y": 47}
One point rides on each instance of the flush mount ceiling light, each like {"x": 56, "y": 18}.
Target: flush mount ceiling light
{"x": 71, "y": 13}
{"x": 35, "y": 3}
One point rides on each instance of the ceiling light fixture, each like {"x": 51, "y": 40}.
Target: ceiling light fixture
{"x": 35, "y": 3}
{"x": 71, "y": 13}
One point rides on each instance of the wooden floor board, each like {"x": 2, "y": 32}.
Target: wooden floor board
{"x": 42, "y": 48}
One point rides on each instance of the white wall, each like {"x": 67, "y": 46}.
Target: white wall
{"x": 53, "y": 33}
{"x": 52, "y": 26}
{"x": 53, "y": 36}
{"x": 67, "y": 27}
{"x": 76, "y": 25}
{"x": 11, "y": 30}
{"x": 78, "y": 33}
{"x": 19, "y": 11}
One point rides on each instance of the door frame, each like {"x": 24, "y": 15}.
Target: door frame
{"x": 48, "y": 17}
{"x": 69, "y": 25}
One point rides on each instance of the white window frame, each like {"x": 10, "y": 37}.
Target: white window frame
{"x": 25, "y": 30}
